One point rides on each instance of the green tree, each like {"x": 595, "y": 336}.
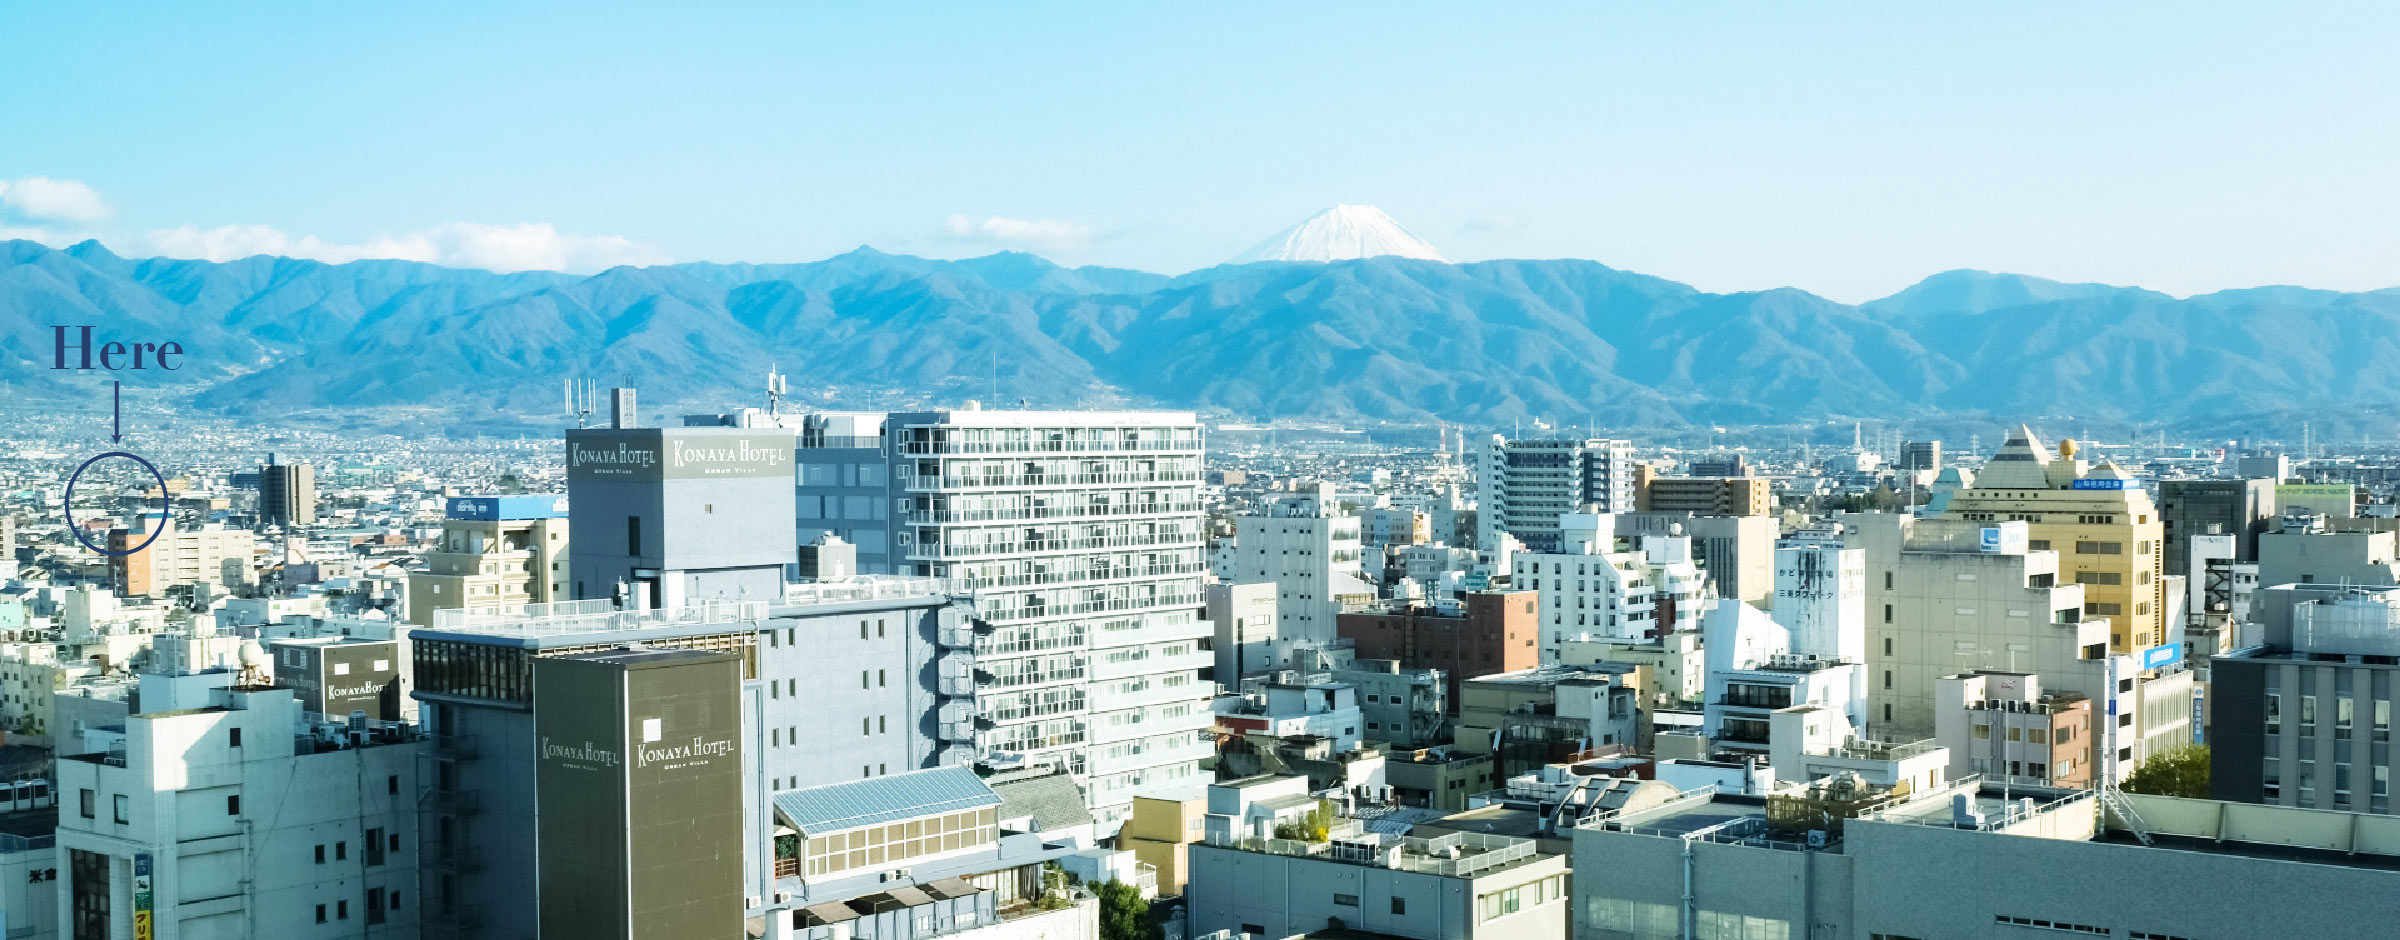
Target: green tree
{"x": 1124, "y": 915}
{"x": 2181, "y": 772}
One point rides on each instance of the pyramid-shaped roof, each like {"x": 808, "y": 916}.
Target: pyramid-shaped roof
{"x": 2021, "y": 464}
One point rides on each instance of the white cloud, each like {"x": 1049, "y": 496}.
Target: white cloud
{"x": 40, "y": 197}
{"x": 1044, "y": 234}
{"x": 529, "y": 246}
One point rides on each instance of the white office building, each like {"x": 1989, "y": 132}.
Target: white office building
{"x": 1080, "y": 534}
{"x": 1591, "y": 592}
{"x": 1310, "y": 550}
{"x": 1523, "y": 486}
{"x": 237, "y": 817}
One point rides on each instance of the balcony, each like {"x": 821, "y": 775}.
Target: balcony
{"x": 1085, "y": 576}
{"x": 998, "y": 612}
{"x": 1009, "y": 682}
{"x": 961, "y": 551}
{"x": 993, "y": 646}
{"x": 1152, "y": 725}
{"x": 1059, "y": 446}
{"x": 1102, "y": 668}
{"x": 939, "y": 484}
{"x": 996, "y": 709}
{"x": 1085, "y": 511}
{"x": 961, "y": 732}
{"x": 1104, "y": 700}
{"x": 1151, "y": 633}
{"x": 1150, "y": 756}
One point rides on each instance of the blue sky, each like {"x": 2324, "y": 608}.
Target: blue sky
{"x": 1848, "y": 149}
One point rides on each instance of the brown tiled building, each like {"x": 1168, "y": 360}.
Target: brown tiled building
{"x": 1496, "y": 635}
{"x": 1707, "y": 496}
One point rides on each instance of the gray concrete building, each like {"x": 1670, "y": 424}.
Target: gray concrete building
{"x": 666, "y": 517}
{"x": 2305, "y": 720}
{"x": 2243, "y": 509}
{"x": 1962, "y": 863}
{"x": 839, "y": 682}
{"x": 1262, "y": 871}
{"x": 1735, "y": 554}
{"x": 1080, "y": 534}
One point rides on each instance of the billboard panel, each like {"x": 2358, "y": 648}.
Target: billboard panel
{"x": 652, "y": 454}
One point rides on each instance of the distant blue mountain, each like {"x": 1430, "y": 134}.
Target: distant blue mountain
{"x": 1380, "y": 338}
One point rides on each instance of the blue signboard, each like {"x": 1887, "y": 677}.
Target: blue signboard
{"x": 1991, "y": 540}
{"x": 2162, "y": 656}
{"x": 490, "y": 508}
{"x": 2102, "y": 484}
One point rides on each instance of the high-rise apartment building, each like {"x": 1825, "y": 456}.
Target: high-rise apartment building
{"x": 1310, "y": 551}
{"x": 1921, "y": 455}
{"x": 287, "y": 493}
{"x": 2098, "y": 519}
{"x": 494, "y": 551}
{"x": 1523, "y": 486}
{"x": 179, "y": 556}
{"x": 1707, "y": 496}
{"x": 1081, "y": 535}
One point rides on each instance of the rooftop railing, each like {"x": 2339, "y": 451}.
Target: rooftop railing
{"x": 571, "y": 618}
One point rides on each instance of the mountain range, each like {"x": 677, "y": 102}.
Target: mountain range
{"x": 1392, "y": 338}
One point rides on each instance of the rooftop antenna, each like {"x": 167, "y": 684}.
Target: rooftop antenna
{"x": 778, "y": 385}
{"x": 579, "y": 401}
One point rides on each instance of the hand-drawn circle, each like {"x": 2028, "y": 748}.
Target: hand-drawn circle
{"x": 165, "y": 508}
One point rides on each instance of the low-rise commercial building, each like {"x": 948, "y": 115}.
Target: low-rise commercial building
{"x": 1962, "y": 862}
{"x": 1282, "y": 881}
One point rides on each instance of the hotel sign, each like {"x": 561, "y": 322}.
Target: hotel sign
{"x": 650, "y": 455}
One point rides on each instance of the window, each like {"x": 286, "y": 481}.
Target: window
{"x": 234, "y": 737}
{"x": 374, "y": 847}
{"x": 320, "y": 913}
{"x": 233, "y": 805}
{"x": 341, "y": 910}
{"x": 1346, "y": 900}
{"x": 633, "y": 544}
{"x": 1887, "y": 646}
{"x": 391, "y": 784}
{"x": 341, "y": 851}
{"x": 1887, "y": 613}
{"x": 124, "y": 805}
{"x": 2101, "y": 548}
{"x": 88, "y": 804}
{"x": 320, "y": 854}
{"x": 1399, "y": 905}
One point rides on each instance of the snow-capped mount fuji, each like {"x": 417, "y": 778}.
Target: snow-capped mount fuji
{"x": 1342, "y": 233}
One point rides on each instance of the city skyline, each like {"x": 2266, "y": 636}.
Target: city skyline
{"x": 1849, "y": 151}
